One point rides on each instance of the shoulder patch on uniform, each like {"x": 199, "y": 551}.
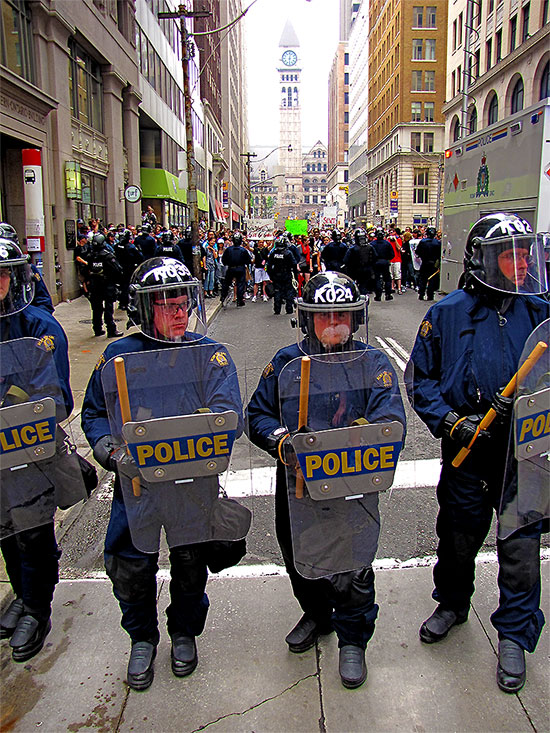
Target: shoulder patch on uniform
{"x": 267, "y": 371}
{"x": 100, "y": 362}
{"x": 425, "y": 329}
{"x": 46, "y": 343}
{"x": 36, "y": 276}
{"x": 219, "y": 358}
{"x": 385, "y": 379}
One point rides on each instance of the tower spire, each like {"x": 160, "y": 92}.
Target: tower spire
{"x": 289, "y": 39}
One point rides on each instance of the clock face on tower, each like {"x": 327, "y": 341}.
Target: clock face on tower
{"x": 289, "y": 58}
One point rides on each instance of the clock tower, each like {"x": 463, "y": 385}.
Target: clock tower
{"x": 290, "y": 125}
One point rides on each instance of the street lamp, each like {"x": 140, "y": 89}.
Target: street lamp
{"x": 440, "y": 166}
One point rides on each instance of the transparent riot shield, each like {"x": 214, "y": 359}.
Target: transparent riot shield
{"x": 526, "y": 494}
{"x": 39, "y": 467}
{"x": 347, "y": 423}
{"x": 178, "y": 412}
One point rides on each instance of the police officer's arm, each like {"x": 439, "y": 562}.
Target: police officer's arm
{"x": 264, "y": 426}
{"x": 95, "y": 422}
{"x": 384, "y": 403}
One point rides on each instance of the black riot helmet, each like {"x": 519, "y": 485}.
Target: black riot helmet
{"x": 431, "y": 232}
{"x": 146, "y": 228}
{"x": 125, "y": 236}
{"x": 167, "y": 237}
{"x": 379, "y": 233}
{"x": 237, "y": 239}
{"x": 503, "y": 255}
{"x": 8, "y": 232}
{"x": 360, "y": 236}
{"x": 337, "y": 297}
{"x": 280, "y": 243}
{"x": 156, "y": 294}
{"x": 16, "y": 281}
{"x": 98, "y": 240}
{"x": 336, "y": 235}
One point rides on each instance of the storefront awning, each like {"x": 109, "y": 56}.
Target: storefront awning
{"x": 218, "y": 206}
{"x": 156, "y": 183}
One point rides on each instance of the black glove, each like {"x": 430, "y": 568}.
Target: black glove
{"x": 503, "y": 407}
{"x": 114, "y": 457}
{"x": 103, "y": 451}
{"x": 124, "y": 462}
{"x": 274, "y": 439}
{"x": 463, "y": 429}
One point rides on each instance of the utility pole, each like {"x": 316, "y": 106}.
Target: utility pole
{"x": 248, "y": 156}
{"x": 187, "y": 52}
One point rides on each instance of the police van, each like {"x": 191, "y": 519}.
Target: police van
{"x": 504, "y": 167}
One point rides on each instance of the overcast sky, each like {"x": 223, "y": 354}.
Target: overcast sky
{"x": 316, "y": 25}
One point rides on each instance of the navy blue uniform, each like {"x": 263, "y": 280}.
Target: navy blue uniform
{"x": 429, "y": 251}
{"x": 235, "y": 258}
{"x": 382, "y": 279}
{"x": 169, "y": 250}
{"x": 281, "y": 266}
{"x": 464, "y": 352}
{"x": 32, "y": 556}
{"x": 42, "y": 297}
{"x": 146, "y": 245}
{"x": 333, "y": 255}
{"x": 132, "y": 572}
{"x": 347, "y": 598}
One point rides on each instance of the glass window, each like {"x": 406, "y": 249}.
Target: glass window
{"x": 488, "y": 53}
{"x": 513, "y": 31}
{"x": 492, "y": 115}
{"x": 429, "y": 81}
{"x": 545, "y": 12}
{"x": 16, "y": 38}
{"x": 85, "y": 87}
{"x": 456, "y": 129}
{"x": 430, "y": 49}
{"x": 472, "y": 120}
{"x": 431, "y": 16}
{"x": 416, "y": 85}
{"x": 525, "y": 23}
{"x": 428, "y": 142}
{"x": 416, "y": 141}
{"x": 544, "y": 82}
{"x": 420, "y": 192}
{"x": 491, "y": 6}
{"x": 315, "y": 199}
{"x": 517, "y": 97}
{"x": 416, "y": 111}
{"x": 418, "y": 16}
{"x": 417, "y": 49}
{"x": 498, "y": 37}
{"x": 92, "y": 202}
{"x": 429, "y": 111}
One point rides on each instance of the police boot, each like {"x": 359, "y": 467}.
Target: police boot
{"x": 114, "y": 334}
{"x": 10, "y": 618}
{"x": 28, "y": 637}
{"x": 440, "y": 622}
{"x": 511, "y": 666}
{"x": 306, "y": 632}
{"x": 184, "y": 654}
{"x": 140, "y": 667}
{"x": 352, "y": 666}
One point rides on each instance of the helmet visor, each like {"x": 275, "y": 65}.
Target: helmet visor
{"x": 172, "y": 313}
{"x": 334, "y": 329}
{"x": 16, "y": 286}
{"x": 514, "y": 264}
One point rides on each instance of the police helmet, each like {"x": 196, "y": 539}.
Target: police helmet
{"x": 8, "y": 232}
{"x": 98, "y": 240}
{"x": 16, "y": 281}
{"x": 280, "y": 243}
{"x": 125, "y": 236}
{"x": 156, "y": 303}
{"x": 504, "y": 255}
{"x": 237, "y": 238}
{"x": 336, "y": 235}
{"x": 379, "y": 233}
{"x": 431, "y": 232}
{"x": 331, "y": 293}
{"x": 360, "y": 236}
{"x": 167, "y": 237}
{"x": 146, "y": 228}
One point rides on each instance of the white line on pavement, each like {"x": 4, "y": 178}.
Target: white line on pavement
{"x": 399, "y": 348}
{"x": 391, "y": 353}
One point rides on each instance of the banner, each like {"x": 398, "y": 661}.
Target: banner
{"x": 329, "y": 217}
{"x": 260, "y": 228}
{"x": 296, "y": 226}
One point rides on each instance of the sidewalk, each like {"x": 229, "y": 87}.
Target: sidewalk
{"x": 246, "y": 679}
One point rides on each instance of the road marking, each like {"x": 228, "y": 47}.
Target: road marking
{"x": 391, "y": 353}
{"x": 399, "y": 348}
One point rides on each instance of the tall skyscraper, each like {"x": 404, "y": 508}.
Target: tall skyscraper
{"x": 290, "y": 124}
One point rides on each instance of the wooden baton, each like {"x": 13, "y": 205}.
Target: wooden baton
{"x": 302, "y": 417}
{"x": 124, "y": 400}
{"x": 508, "y": 391}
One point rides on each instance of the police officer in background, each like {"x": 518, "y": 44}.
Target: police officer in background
{"x": 128, "y": 257}
{"x": 359, "y": 262}
{"x": 31, "y": 556}
{"x": 167, "y": 305}
{"x": 384, "y": 253}
{"x": 167, "y": 247}
{"x": 467, "y": 349}
{"x": 331, "y": 314}
{"x": 428, "y": 250}
{"x": 146, "y": 244}
{"x": 333, "y": 253}
{"x": 281, "y": 268}
{"x": 103, "y": 275}
{"x": 236, "y": 258}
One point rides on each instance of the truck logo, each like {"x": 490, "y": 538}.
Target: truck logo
{"x": 483, "y": 178}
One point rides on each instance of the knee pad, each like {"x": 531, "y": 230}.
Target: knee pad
{"x": 133, "y": 579}
{"x": 188, "y": 568}
{"x": 354, "y": 589}
{"x": 519, "y": 563}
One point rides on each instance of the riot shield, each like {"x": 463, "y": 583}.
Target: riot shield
{"x": 178, "y": 412}
{"x": 347, "y": 422}
{"x": 526, "y": 493}
{"x": 39, "y": 468}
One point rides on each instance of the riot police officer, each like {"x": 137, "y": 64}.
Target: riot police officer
{"x": 42, "y": 296}
{"x": 167, "y": 247}
{"x": 384, "y": 253}
{"x": 331, "y": 317}
{"x": 145, "y": 242}
{"x": 334, "y": 252}
{"x": 167, "y": 305}
{"x": 103, "y": 275}
{"x": 31, "y": 556}
{"x": 128, "y": 257}
{"x": 359, "y": 262}
{"x": 428, "y": 250}
{"x": 467, "y": 348}
{"x": 236, "y": 258}
{"x": 281, "y": 267}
